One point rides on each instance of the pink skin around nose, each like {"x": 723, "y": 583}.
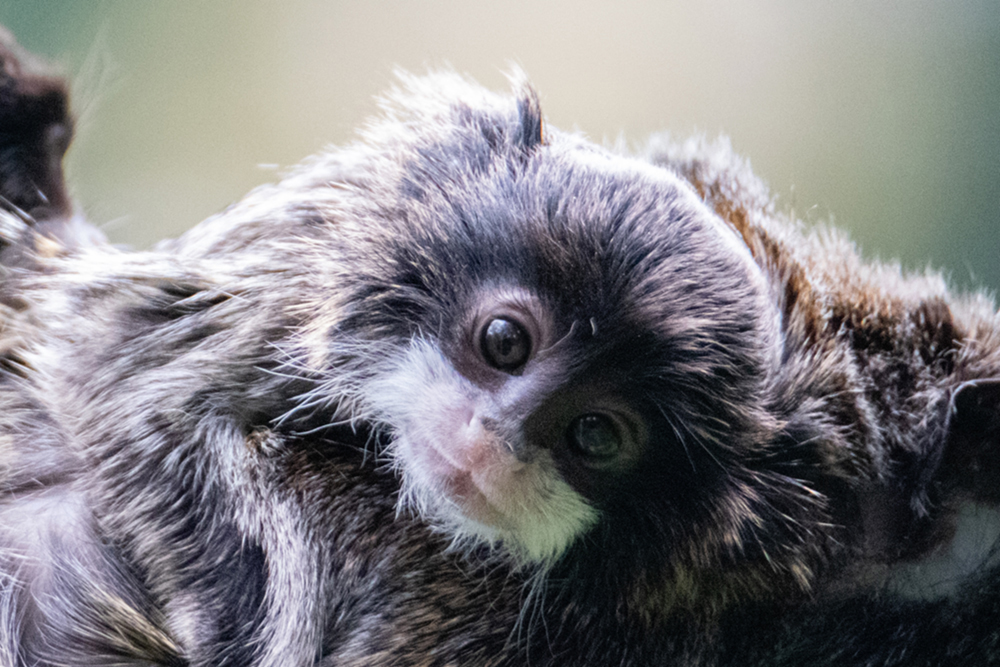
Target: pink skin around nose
{"x": 470, "y": 464}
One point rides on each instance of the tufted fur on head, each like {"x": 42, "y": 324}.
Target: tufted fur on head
{"x": 472, "y": 390}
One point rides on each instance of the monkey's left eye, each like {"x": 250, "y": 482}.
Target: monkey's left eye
{"x": 505, "y": 344}
{"x": 595, "y": 436}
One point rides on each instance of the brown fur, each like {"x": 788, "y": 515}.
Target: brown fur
{"x": 195, "y": 470}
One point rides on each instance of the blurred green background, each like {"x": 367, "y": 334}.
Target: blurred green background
{"x": 883, "y": 117}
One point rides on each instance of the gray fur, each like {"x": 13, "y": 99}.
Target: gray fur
{"x": 199, "y": 466}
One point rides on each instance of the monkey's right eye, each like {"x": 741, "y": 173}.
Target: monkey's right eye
{"x": 505, "y": 344}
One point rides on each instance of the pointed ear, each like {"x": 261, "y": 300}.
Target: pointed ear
{"x": 972, "y": 458}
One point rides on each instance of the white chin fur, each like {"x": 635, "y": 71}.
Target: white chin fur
{"x": 490, "y": 497}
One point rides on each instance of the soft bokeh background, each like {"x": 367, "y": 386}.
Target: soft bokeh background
{"x": 882, "y": 116}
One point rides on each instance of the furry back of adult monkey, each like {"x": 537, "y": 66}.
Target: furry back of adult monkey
{"x": 474, "y": 391}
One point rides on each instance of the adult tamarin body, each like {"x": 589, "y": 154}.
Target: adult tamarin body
{"x": 474, "y": 391}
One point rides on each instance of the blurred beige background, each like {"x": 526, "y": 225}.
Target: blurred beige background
{"x": 882, "y": 116}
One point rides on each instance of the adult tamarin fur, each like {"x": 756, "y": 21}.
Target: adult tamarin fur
{"x": 474, "y": 391}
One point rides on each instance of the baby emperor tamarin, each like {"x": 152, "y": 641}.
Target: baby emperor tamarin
{"x": 474, "y": 391}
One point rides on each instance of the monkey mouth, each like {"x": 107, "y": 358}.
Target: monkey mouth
{"x": 462, "y": 483}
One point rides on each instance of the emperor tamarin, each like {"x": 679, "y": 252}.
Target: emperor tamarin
{"x": 474, "y": 391}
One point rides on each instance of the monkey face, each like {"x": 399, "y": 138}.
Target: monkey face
{"x": 505, "y": 439}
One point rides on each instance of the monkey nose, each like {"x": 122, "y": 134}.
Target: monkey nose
{"x": 511, "y": 439}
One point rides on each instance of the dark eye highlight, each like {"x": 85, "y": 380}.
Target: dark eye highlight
{"x": 595, "y": 436}
{"x": 505, "y": 344}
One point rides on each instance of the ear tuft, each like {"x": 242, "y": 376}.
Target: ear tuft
{"x": 529, "y": 110}
{"x": 531, "y": 119}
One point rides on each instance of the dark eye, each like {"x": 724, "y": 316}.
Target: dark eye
{"x": 505, "y": 344}
{"x": 595, "y": 436}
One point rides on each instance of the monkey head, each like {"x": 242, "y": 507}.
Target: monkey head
{"x": 561, "y": 346}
